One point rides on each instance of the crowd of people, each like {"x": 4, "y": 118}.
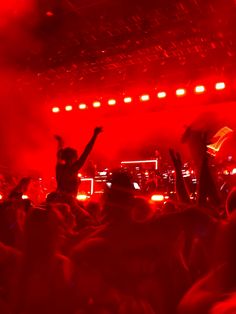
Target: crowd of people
{"x": 118, "y": 255}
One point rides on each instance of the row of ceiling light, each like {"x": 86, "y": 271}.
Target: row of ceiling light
{"x": 145, "y": 97}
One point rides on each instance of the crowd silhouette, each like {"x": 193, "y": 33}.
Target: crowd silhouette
{"x": 118, "y": 255}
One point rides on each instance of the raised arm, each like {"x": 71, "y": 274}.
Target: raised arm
{"x": 181, "y": 189}
{"x": 80, "y": 162}
{"x": 20, "y": 189}
{"x": 207, "y": 182}
{"x": 60, "y": 144}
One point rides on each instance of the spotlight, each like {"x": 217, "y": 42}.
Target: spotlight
{"x": 199, "y": 89}
{"x": 96, "y": 104}
{"x": 144, "y": 97}
{"x": 55, "y": 109}
{"x": 220, "y": 86}
{"x": 68, "y": 108}
{"x": 127, "y": 100}
{"x": 82, "y": 106}
{"x": 81, "y": 197}
{"x": 180, "y": 92}
{"x": 157, "y": 198}
{"x": 161, "y": 95}
{"x": 233, "y": 171}
{"x": 111, "y": 102}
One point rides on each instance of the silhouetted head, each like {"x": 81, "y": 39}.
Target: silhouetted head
{"x": 121, "y": 184}
{"x": 119, "y": 196}
{"x": 68, "y": 217}
{"x": 168, "y": 207}
{"x": 12, "y": 219}
{"x": 225, "y": 244}
{"x": 69, "y": 155}
{"x": 57, "y": 197}
{"x": 42, "y": 231}
{"x": 141, "y": 211}
{"x": 94, "y": 209}
{"x": 231, "y": 202}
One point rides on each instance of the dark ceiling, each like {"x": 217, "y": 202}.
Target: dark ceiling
{"x": 79, "y": 44}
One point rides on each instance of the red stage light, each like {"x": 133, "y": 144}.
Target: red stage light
{"x": 220, "y": 86}
{"x": 127, "y": 100}
{"x": 144, "y": 97}
{"x": 82, "y": 106}
{"x": 111, "y": 102}
{"x": 96, "y": 104}
{"x": 161, "y": 95}
{"x": 199, "y": 89}
{"x": 180, "y": 92}
{"x": 68, "y": 108}
{"x": 55, "y": 109}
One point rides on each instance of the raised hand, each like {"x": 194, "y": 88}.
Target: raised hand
{"x": 58, "y": 138}
{"x": 181, "y": 189}
{"x": 197, "y": 141}
{"x": 98, "y": 130}
{"x": 60, "y": 142}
